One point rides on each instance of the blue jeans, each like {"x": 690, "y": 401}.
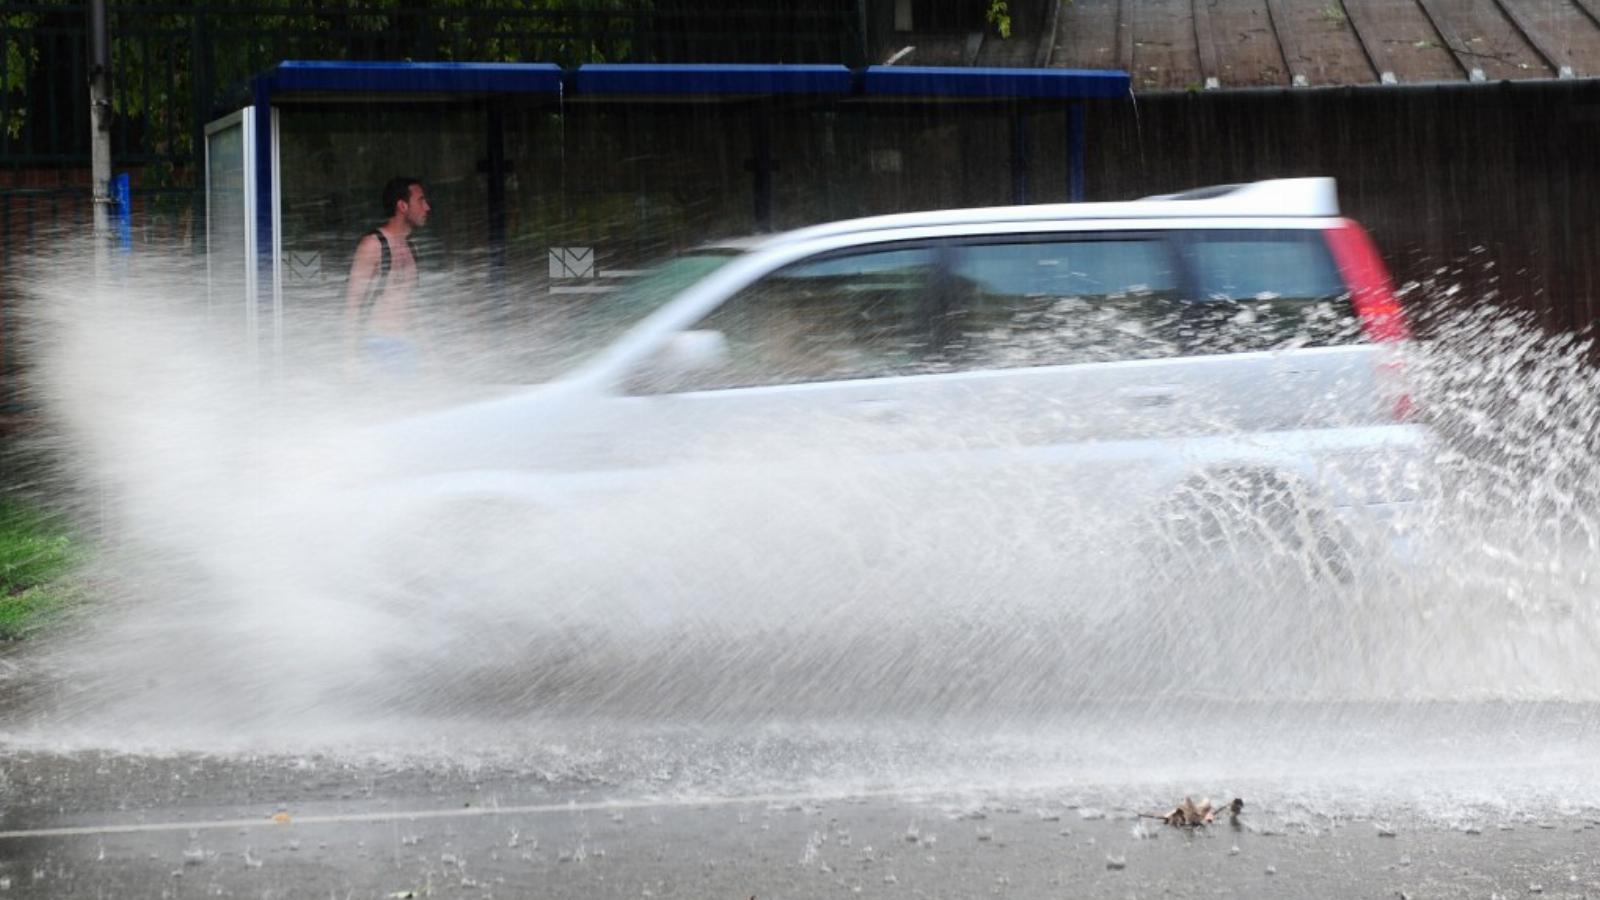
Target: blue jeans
{"x": 391, "y": 356}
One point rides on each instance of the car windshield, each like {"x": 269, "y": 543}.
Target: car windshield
{"x": 577, "y": 325}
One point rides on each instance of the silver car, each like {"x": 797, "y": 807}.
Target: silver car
{"x": 1175, "y": 357}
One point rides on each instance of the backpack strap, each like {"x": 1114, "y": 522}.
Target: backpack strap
{"x": 375, "y": 287}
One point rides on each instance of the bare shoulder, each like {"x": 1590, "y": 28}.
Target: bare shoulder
{"x": 367, "y": 249}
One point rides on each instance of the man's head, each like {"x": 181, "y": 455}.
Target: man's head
{"x": 404, "y": 198}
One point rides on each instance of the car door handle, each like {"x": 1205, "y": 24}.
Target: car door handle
{"x": 1153, "y": 397}
{"x": 878, "y": 410}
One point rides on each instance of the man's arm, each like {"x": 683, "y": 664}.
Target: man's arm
{"x": 363, "y": 269}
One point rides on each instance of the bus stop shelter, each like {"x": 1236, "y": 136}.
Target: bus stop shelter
{"x": 546, "y": 180}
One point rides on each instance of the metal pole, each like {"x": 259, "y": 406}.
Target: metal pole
{"x": 1020, "y": 194}
{"x": 865, "y": 42}
{"x": 496, "y": 166}
{"x": 761, "y": 164}
{"x": 100, "y": 131}
{"x": 1075, "y": 147}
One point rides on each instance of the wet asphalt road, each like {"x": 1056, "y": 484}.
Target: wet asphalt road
{"x": 92, "y": 824}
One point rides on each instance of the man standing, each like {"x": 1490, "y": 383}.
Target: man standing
{"x": 380, "y": 316}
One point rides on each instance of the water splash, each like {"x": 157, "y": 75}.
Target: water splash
{"x": 253, "y": 595}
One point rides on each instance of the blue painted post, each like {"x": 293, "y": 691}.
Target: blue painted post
{"x": 122, "y": 194}
{"x": 262, "y": 110}
{"x": 263, "y": 302}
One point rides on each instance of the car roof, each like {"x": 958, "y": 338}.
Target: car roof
{"x": 1275, "y": 198}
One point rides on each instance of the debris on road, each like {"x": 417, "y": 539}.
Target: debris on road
{"x": 1189, "y": 814}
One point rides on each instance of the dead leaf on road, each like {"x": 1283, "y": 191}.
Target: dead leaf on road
{"x": 1189, "y": 814}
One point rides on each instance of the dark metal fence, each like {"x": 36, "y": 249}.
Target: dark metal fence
{"x": 176, "y": 66}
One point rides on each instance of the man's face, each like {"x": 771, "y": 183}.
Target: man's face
{"x": 415, "y": 209}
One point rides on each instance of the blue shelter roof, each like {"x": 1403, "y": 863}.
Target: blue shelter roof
{"x": 996, "y": 84}
{"x": 678, "y": 81}
{"x": 411, "y": 77}
{"x": 606, "y": 78}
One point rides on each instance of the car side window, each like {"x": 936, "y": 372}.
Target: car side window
{"x": 862, "y": 314}
{"x": 1093, "y": 298}
{"x": 1260, "y": 289}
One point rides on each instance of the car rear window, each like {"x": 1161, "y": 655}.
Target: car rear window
{"x": 1263, "y": 289}
{"x": 1263, "y": 265}
{"x": 1094, "y": 298}
{"x": 1098, "y": 297}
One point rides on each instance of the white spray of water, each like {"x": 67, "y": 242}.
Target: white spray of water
{"x": 251, "y": 593}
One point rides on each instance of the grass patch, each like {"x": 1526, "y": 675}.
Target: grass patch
{"x": 37, "y": 554}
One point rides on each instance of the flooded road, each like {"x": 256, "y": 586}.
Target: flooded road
{"x": 1420, "y": 800}
{"x": 100, "y": 824}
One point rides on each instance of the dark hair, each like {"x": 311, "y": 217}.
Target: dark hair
{"x": 395, "y": 191}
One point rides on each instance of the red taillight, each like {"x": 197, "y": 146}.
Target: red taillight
{"x": 1367, "y": 278}
{"x": 1376, "y": 306}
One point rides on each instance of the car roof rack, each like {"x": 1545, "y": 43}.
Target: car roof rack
{"x": 1204, "y": 193}
{"x": 1275, "y": 198}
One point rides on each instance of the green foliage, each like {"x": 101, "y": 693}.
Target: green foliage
{"x": 998, "y": 15}
{"x": 26, "y": 612}
{"x": 16, "y": 62}
{"x": 162, "y": 55}
{"x": 36, "y": 554}
{"x": 34, "y": 547}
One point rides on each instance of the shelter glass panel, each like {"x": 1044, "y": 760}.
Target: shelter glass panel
{"x": 228, "y": 222}
{"x": 335, "y": 160}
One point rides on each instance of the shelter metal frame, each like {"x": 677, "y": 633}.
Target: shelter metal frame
{"x": 1023, "y": 90}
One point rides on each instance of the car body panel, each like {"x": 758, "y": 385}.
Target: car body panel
{"x": 1131, "y": 430}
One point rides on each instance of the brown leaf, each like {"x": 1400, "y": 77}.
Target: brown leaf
{"x": 1189, "y": 815}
